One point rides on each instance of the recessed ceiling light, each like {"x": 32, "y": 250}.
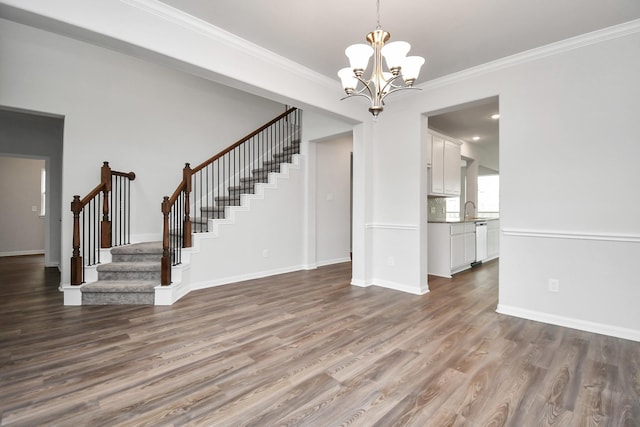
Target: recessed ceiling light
{"x": 495, "y": 116}
{"x": 476, "y": 138}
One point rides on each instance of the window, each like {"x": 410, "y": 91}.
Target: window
{"x": 43, "y": 191}
{"x": 489, "y": 196}
{"x": 453, "y": 207}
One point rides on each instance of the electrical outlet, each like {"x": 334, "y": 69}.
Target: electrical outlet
{"x": 265, "y": 253}
{"x": 554, "y": 285}
{"x": 391, "y": 261}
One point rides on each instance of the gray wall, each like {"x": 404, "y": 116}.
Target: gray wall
{"x": 29, "y": 135}
{"x": 139, "y": 116}
{"x": 21, "y": 227}
{"x": 333, "y": 226}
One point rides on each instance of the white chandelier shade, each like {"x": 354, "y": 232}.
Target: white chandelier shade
{"x": 381, "y": 83}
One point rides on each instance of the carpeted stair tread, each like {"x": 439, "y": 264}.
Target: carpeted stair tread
{"x": 120, "y": 286}
{"x": 129, "y": 266}
{"x": 138, "y": 248}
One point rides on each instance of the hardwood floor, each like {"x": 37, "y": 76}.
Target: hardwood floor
{"x": 303, "y": 349}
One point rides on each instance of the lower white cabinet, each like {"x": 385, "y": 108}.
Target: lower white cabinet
{"x": 493, "y": 239}
{"x": 452, "y": 247}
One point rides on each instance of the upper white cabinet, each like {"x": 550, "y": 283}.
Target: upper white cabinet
{"x": 444, "y": 173}
{"x": 437, "y": 166}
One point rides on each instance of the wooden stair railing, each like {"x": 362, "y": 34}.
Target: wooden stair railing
{"x": 88, "y": 236}
{"x": 210, "y": 180}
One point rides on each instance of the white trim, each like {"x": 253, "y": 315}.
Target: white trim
{"x": 380, "y": 226}
{"x": 571, "y": 235}
{"x": 196, "y": 25}
{"x": 568, "y": 322}
{"x": 167, "y": 295}
{"x": 361, "y": 283}
{"x": 332, "y": 261}
{"x": 572, "y": 43}
{"x": 401, "y": 287}
{"x": 20, "y": 253}
{"x": 244, "y": 277}
{"x": 72, "y": 295}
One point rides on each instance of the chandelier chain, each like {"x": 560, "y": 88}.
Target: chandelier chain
{"x": 378, "y": 15}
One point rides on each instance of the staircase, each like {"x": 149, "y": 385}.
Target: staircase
{"x": 141, "y": 273}
{"x": 246, "y": 186}
{"x": 130, "y": 277}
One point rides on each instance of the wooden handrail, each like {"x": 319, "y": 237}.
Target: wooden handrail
{"x": 241, "y": 141}
{"x": 184, "y": 189}
{"x": 78, "y": 204}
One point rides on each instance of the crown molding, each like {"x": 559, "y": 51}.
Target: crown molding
{"x": 562, "y": 46}
{"x": 219, "y": 35}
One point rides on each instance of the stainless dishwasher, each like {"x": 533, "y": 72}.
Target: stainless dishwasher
{"x": 481, "y": 241}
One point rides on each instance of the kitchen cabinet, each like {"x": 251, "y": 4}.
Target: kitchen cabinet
{"x": 444, "y": 173}
{"x": 451, "y": 247}
{"x": 493, "y": 239}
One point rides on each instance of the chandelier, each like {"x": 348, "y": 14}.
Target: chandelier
{"x": 381, "y": 83}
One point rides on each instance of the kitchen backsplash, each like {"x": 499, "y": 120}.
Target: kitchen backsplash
{"x": 437, "y": 208}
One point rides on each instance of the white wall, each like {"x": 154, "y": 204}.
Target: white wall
{"x": 316, "y": 129}
{"x": 333, "y": 192}
{"x": 263, "y": 237}
{"x": 138, "y": 116}
{"x": 568, "y": 147}
{"x": 568, "y": 113}
{"x": 36, "y": 136}
{"x": 21, "y": 228}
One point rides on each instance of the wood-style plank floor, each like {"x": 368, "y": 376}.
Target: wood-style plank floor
{"x": 303, "y": 349}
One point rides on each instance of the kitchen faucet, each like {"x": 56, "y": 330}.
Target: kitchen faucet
{"x": 465, "y": 207}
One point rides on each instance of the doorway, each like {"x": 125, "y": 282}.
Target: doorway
{"x": 38, "y": 136}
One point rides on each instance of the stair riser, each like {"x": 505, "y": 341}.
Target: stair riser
{"x": 254, "y": 179}
{"x": 212, "y": 215}
{"x": 226, "y": 201}
{"x": 283, "y": 157}
{"x": 238, "y": 192}
{"x": 130, "y": 275}
{"x": 117, "y": 298}
{"x": 200, "y": 228}
{"x": 136, "y": 257}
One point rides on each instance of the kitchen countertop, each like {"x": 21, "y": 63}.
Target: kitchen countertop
{"x": 459, "y": 221}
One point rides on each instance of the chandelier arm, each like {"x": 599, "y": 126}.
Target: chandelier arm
{"x": 398, "y": 89}
{"x": 354, "y": 94}
{"x": 390, "y": 84}
{"x": 367, "y": 86}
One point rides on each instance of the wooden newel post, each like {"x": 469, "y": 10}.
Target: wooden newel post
{"x": 105, "y": 224}
{"x": 186, "y": 226}
{"x": 76, "y": 259}
{"x": 165, "y": 266}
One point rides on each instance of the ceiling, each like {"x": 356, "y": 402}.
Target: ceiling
{"x": 453, "y": 35}
{"x": 466, "y": 121}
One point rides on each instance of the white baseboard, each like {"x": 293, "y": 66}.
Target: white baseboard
{"x": 333, "y": 261}
{"x": 72, "y": 295}
{"x": 568, "y": 322}
{"x": 244, "y": 277}
{"x": 20, "y": 253}
{"x": 361, "y": 283}
{"x": 391, "y": 285}
{"x": 402, "y": 287}
{"x": 167, "y": 295}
